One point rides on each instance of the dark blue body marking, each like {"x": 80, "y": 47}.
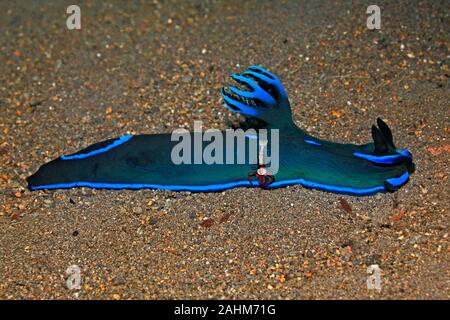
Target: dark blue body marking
{"x": 389, "y": 159}
{"x": 312, "y": 142}
{"x": 398, "y": 182}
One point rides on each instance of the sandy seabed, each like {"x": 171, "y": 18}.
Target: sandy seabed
{"x": 151, "y": 68}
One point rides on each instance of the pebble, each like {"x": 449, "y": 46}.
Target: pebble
{"x": 119, "y": 280}
{"x": 373, "y": 259}
{"x": 186, "y": 78}
{"x": 137, "y": 210}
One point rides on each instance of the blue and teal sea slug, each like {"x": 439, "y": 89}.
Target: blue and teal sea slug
{"x": 145, "y": 161}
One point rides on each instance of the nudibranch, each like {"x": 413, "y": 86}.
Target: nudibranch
{"x": 145, "y": 161}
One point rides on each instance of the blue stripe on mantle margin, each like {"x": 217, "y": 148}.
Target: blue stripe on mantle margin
{"x": 114, "y": 144}
{"x": 396, "y": 182}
